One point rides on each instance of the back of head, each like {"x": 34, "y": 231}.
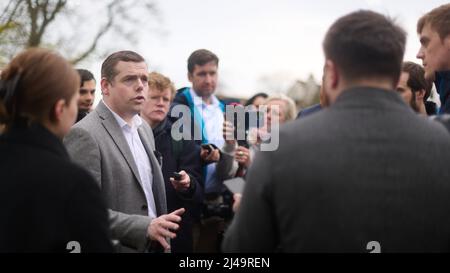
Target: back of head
{"x": 366, "y": 45}
{"x": 85, "y": 76}
{"x": 416, "y": 80}
{"x": 439, "y": 20}
{"x": 32, "y": 84}
{"x": 108, "y": 66}
{"x": 201, "y": 57}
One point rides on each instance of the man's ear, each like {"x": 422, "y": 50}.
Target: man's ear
{"x": 104, "y": 85}
{"x": 190, "y": 76}
{"x": 331, "y": 75}
{"x": 58, "y": 110}
{"x": 420, "y": 95}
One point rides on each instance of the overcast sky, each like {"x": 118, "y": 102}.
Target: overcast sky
{"x": 256, "y": 38}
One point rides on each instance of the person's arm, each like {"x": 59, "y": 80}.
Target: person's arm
{"x": 254, "y": 225}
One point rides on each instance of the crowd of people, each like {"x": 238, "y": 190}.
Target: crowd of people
{"x": 144, "y": 170}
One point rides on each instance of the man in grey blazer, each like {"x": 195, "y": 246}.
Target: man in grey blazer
{"x": 364, "y": 175}
{"x": 117, "y": 147}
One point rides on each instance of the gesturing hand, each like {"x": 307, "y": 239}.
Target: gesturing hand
{"x": 164, "y": 227}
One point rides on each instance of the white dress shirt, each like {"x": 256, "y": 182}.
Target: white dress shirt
{"x": 140, "y": 156}
{"x": 213, "y": 118}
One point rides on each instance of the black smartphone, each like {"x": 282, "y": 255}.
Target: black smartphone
{"x": 209, "y": 147}
{"x": 176, "y": 176}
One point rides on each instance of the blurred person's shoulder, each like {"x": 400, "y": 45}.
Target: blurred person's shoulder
{"x": 310, "y": 124}
{"x": 443, "y": 119}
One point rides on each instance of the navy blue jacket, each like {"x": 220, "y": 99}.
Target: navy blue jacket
{"x": 442, "y": 83}
{"x": 309, "y": 110}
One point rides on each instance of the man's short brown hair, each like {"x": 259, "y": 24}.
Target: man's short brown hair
{"x": 439, "y": 20}
{"x": 201, "y": 57}
{"x": 366, "y": 44}
{"x": 161, "y": 83}
{"x": 108, "y": 66}
{"x": 416, "y": 80}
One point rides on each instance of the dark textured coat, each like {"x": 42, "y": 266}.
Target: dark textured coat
{"x": 366, "y": 169}
{"x": 45, "y": 200}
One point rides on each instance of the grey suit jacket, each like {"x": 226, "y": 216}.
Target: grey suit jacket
{"x": 98, "y": 144}
{"x": 365, "y": 170}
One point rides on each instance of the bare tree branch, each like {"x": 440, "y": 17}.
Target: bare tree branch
{"x": 46, "y": 21}
{"x": 5, "y": 10}
{"x": 100, "y": 33}
{"x": 13, "y": 12}
{"x": 44, "y": 7}
{"x": 25, "y": 23}
{"x": 32, "y": 12}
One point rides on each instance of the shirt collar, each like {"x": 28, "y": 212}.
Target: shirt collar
{"x": 136, "y": 122}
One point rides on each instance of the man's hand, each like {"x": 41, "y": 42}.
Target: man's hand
{"x": 210, "y": 157}
{"x": 237, "y": 201}
{"x": 164, "y": 227}
{"x": 242, "y": 156}
{"x": 183, "y": 184}
{"x": 228, "y": 133}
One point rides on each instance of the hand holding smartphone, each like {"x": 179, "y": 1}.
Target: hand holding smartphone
{"x": 209, "y": 147}
{"x": 176, "y": 176}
